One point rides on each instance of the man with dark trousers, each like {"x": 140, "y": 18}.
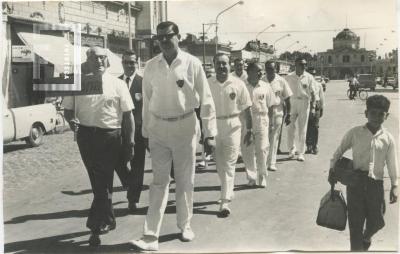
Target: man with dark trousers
{"x": 133, "y": 179}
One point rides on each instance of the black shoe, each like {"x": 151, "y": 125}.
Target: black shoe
{"x": 309, "y": 150}
{"x": 279, "y": 151}
{"x": 315, "y": 150}
{"x": 366, "y": 244}
{"x": 94, "y": 240}
{"x": 132, "y": 207}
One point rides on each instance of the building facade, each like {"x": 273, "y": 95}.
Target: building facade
{"x": 346, "y": 58}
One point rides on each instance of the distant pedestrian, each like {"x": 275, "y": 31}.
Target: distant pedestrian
{"x": 255, "y": 155}
{"x": 373, "y": 149}
{"x": 231, "y": 99}
{"x": 282, "y": 93}
{"x": 99, "y": 119}
{"x": 239, "y": 72}
{"x": 133, "y": 179}
{"x": 313, "y": 119}
{"x": 302, "y": 103}
{"x": 353, "y": 86}
{"x": 174, "y": 85}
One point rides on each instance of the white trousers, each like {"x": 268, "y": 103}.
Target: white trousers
{"x": 274, "y": 132}
{"x": 255, "y": 155}
{"x": 299, "y": 116}
{"x": 171, "y": 141}
{"x": 226, "y": 154}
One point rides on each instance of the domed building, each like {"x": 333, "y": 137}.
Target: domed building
{"x": 346, "y": 58}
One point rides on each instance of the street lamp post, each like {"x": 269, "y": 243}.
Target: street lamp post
{"x": 280, "y": 38}
{"x": 216, "y": 23}
{"x": 204, "y": 43}
{"x": 129, "y": 24}
{"x": 265, "y": 29}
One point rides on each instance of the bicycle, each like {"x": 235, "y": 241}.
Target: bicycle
{"x": 362, "y": 94}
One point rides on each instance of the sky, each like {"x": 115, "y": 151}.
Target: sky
{"x": 314, "y": 23}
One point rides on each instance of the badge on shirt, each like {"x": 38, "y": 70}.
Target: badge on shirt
{"x": 138, "y": 96}
{"x": 180, "y": 83}
{"x": 261, "y": 97}
{"x": 232, "y": 96}
{"x": 304, "y": 85}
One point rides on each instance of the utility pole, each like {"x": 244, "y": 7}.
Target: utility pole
{"x": 204, "y": 47}
{"x": 129, "y": 26}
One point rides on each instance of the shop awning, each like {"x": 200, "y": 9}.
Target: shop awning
{"x": 52, "y": 48}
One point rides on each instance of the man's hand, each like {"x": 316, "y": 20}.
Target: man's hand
{"x": 393, "y": 194}
{"x": 209, "y": 145}
{"x": 332, "y": 178}
{"x": 146, "y": 144}
{"x": 322, "y": 112}
{"x": 248, "y": 138}
{"x": 287, "y": 119}
{"x": 74, "y": 124}
{"x": 128, "y": 151}
{"x": 312, "y": 112}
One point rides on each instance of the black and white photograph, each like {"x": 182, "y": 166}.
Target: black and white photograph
{"x": 200, "y": 126}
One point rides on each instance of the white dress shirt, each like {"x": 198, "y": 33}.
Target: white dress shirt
{"x": 281, "y": 90}
{"x": 370, "y": 152}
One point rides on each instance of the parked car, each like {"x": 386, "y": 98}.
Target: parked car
{"x": 367, "y": 81}
{"x": 29, "y": 123}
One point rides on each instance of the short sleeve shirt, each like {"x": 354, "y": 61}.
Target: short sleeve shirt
{"x": 281, "y": 90}
{"x": 102, "y": 110}
{"x": 230, "y": 97}
{"x": 302, "y": 86}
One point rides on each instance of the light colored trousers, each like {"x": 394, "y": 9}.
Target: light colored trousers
{"x": 274, "y": 132}
{"x": 226, "y": 154}
{"x": 255, "y": 155}
{"x": 171, "y": 141}
{"x": 300, "y": 109}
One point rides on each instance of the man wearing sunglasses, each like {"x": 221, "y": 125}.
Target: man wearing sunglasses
{"x": 133, "y": 179}
{"x": 174, "y": 84}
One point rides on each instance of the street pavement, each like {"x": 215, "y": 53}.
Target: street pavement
{"x": 47, "y": 195}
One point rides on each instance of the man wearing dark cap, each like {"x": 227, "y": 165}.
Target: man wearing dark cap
{"x": 302, "y": 85}
{"x": 98, "y": 119}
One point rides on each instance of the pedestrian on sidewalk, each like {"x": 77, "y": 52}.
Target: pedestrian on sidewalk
{"x": 174, "y": 85}
{"x": 98, "y": 121}
{"x": 302, "y": 104}
{"x": 132, "y": 179}
{"x": 353, "y": 86}
{"x": 255, "y": 154}
{"x": 373, "y": 147}
{"x": 282, "y": 93}
{"x": 313, "y": 119}
{"x": 231, "y": 99}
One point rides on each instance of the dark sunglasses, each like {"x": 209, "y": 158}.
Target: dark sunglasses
{"x": 161, "y": 37}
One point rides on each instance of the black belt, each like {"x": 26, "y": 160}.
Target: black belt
{"x": 96, "y": 129}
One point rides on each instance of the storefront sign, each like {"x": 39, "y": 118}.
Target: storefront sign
{"x": 22, "y": 54}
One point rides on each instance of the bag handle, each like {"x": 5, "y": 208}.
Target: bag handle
{"x": 332, "y": 191}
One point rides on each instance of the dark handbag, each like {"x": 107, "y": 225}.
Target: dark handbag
{"x": 332, "y": 211}
{"x": 344, "y": 172}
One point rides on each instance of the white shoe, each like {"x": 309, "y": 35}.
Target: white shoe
{"x": 149, "y": 243}
{"x": 262, "y": 181}
{"x": 224, "y": 210}
{"x": 201, "y": 164}
{"x": 272, "y": 168}
{"x": 301, "y": 157}
{"x": 292, "y": 153}
{"x": 187, "y": 234}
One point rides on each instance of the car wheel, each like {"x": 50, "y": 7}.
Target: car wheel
{"x": 363, "y": 95}
{"x": 35, "y": 137}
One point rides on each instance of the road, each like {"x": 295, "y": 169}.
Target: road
{"x": 47, "y": 195}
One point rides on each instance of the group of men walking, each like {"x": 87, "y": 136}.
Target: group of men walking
{"x": 241, "y": 112}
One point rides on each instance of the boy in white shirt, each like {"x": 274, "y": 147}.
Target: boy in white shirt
{"x": 373, "y": 147}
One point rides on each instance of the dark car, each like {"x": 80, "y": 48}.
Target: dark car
{"x": 367, "y": 81}
{"x": 393, "y": 82}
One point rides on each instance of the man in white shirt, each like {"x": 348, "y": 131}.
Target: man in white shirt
{"x": 255, "y": 155}
{"x": 238, "y": 65}
{"x": 282, "y": 93}
{"x": 302, "y": 85}
{"x": 313, "y": 120}
{"x": 231, "y": 98}
{"x": 174, "y": 84}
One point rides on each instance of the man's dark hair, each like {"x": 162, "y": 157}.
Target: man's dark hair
{"x": 218, "y": 55}
{"x": 301, "y": 60}
{"x": 129, "y": 52}
{"x": 166, "y": 24}
{"x": 253, "y": 65}
{"x": 270, "y": 62}
{"x": 238, "y": 60}
{"x": 379, "y": 102}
